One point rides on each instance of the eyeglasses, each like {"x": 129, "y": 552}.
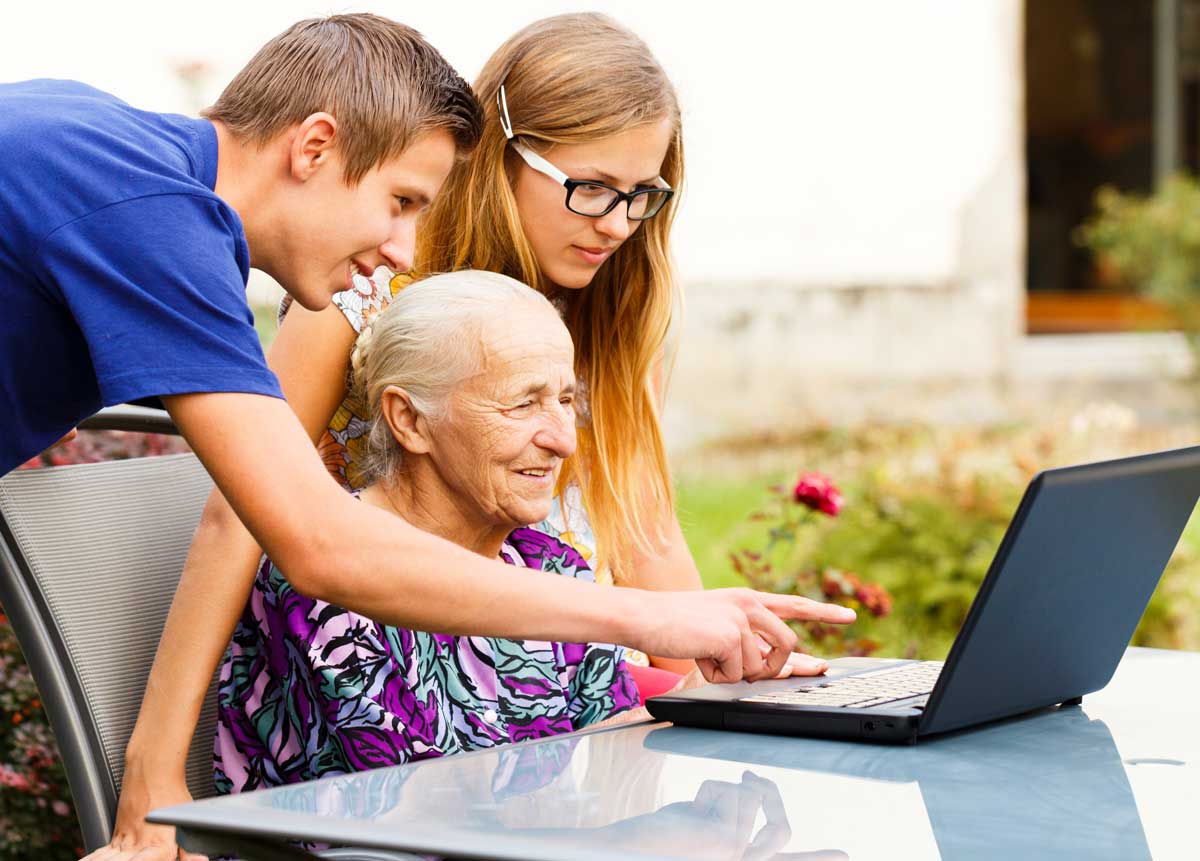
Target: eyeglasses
{"x": 587, "y": 197}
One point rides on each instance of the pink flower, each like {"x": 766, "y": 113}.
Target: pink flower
{"x": 13, "y": 779}
{"x": 874, "y": 598}
{"x": 60, "y": 807}
{"x": 818, "y": 493}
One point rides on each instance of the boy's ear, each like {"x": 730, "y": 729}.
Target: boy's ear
{"x": 408, "y": 427}
{"x": 312, "y": 145}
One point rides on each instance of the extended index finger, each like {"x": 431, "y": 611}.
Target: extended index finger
{"x": 806, "y": 609}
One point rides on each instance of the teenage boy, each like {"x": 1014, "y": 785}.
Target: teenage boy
{"x": 126, "y": 238}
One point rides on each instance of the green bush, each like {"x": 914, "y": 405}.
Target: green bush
{"x": 1152, "y": 245}
{"x": 928, "y": 544}
{"x": 924, "y": 513}
{"x": 795, "y": 517}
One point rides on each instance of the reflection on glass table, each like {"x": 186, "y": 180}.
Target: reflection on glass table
{"x": 1051, "y": 784}
{"x": 1116, "y": 778}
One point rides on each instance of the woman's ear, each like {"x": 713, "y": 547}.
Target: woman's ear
{"x": 409, "y": 428}
{"x": 312, "y": 144}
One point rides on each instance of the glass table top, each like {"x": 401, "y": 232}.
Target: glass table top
{"x": 1118, "y": 777}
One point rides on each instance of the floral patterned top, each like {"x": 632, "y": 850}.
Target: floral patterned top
{"x": 343, "y": 446}
{"x": 309, "y": 689}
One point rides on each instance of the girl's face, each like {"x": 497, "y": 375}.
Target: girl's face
{"x": 569, "y": 247}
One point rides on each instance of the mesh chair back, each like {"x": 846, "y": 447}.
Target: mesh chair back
{"x": 89, "y": 559}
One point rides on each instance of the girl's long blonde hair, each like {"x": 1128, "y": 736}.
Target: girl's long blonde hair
{"x": 572, "y": 79}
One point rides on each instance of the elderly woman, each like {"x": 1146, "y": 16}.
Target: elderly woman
{"x": 471, "y": 387}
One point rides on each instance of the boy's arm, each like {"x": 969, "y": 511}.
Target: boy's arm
{"x": 330, "y": 546}
{"x": 360, "y": 557}
{"x": 309, "y": 356}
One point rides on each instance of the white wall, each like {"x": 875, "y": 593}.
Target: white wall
{"x": 853, "y": 215}
{"x": 827, "y": 141}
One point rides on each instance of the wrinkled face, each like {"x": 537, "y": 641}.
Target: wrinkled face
{"x": 500, "y": 446}
{"x": 570, "y": 248}
{"x": 336, "y": 230}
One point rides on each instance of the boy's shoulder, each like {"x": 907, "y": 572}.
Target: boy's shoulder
{"x": 93, "y": 150}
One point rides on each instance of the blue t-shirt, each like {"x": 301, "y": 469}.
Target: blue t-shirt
{"x": 122, "y": 275}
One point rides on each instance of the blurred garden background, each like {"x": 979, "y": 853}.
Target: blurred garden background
{"x": 926, "y": 249}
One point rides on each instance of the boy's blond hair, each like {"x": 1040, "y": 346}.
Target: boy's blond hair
{"x": 382, "y": 82}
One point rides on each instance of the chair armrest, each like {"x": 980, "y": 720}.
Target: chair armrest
{"x": 130, "y": 418}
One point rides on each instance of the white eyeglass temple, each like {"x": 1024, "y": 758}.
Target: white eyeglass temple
{"x": 532, "y": 159}
{"x": 539, "y": 164}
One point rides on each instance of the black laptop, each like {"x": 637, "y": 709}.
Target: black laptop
{"x": 1065, "y": 591}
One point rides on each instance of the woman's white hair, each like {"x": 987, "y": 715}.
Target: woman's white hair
{"x": 427, "y": 341}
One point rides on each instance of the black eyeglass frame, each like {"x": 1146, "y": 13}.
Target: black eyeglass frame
{"x": 545, "y": 168}
{"x": 621, "y": 196}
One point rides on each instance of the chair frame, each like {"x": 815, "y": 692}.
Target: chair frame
{"x": 92, "y": 786}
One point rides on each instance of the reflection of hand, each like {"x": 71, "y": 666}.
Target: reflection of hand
{"x": 719, "y": 823}
{"x": 733, "y": 809}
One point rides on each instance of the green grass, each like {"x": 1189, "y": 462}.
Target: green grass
{"x": 264, "y": 323}
{"x": 714, "y": 514}
{"x": 715, "y": 502}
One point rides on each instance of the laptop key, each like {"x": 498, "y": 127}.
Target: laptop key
{"x": 885, "y": 685}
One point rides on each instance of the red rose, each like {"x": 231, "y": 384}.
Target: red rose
{"x": 874, "y": 598}
{"x": 818, "y": 493}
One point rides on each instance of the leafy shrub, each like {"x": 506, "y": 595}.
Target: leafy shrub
{"x": 36, "y": 816}
{"x": 1151, "y": 242}
{"x": 924, "y": 513}
{"x": 1152, "y": 245}
{"x": 928, "y": 544}
{"x": 794, "y": 517}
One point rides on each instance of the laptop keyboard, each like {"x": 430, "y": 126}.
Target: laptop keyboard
{"x": 875, "y": 688}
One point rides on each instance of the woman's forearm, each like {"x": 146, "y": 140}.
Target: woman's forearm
{"x": 212, "y": 591}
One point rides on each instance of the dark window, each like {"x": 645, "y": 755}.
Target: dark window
{"x": 1097, "y": 110}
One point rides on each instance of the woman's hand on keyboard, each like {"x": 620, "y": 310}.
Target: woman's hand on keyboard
{"x": 800, "y": 664}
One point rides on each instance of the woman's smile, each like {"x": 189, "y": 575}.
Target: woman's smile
{"x": 539, "y": 477}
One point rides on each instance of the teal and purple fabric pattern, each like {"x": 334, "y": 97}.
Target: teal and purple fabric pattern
{"x": 308, "y": 689}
